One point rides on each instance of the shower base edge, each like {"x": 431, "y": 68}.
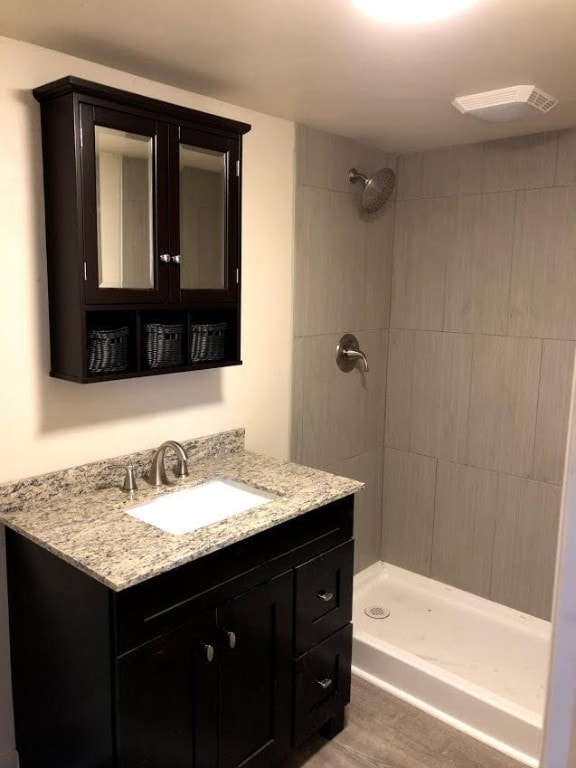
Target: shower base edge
{"x": 409, "y": 658}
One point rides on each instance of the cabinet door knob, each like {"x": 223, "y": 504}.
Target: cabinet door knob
{"x": 325, "y": 683}
{"x": 231, "y": 639}
{"x": 209, "y": 649}
{"x": 165, "y": 258}
{"x": 326, "y": 596}
{"x": 176, "y": 259}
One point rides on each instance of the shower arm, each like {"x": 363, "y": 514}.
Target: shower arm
{"x": 355, "y": 176}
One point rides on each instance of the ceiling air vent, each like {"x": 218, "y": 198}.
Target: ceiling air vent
{"x": 505, "y": 104}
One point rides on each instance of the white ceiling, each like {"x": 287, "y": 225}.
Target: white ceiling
{"x": 323, "y": 63}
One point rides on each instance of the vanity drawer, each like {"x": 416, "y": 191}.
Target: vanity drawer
{"x": 322, "y": 683}
{"x": 323, "y": 596}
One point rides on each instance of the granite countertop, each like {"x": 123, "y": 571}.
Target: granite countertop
{"x": 79, "y": 514}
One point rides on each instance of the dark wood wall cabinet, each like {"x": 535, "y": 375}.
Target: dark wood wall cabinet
{"x": 143, "y": 210}
{"x": 231, "y": 660}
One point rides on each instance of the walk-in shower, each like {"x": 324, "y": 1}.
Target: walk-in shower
{"x": 442, "y": 264}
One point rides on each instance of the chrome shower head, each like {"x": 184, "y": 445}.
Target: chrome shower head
{"x": 377, "y": 188}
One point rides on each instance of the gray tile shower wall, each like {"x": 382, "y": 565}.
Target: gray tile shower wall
{"x": 343, "y": 269}
{"x": 462, "y": 293}
{"x": 481, "y": 350}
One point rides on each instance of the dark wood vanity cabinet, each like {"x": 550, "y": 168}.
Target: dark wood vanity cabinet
{"x": 226, "y": 673}
{"x": 230, "y": 660}
{"x": 167, "y": 700}
{"x": 143, "y": 206}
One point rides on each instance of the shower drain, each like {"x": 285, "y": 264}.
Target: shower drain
{"x": 377, "y": 612}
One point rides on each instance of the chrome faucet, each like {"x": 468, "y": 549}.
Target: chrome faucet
{"x": 157, "y": 475}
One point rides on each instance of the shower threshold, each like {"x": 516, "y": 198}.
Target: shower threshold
{"x": 480, "y": 666}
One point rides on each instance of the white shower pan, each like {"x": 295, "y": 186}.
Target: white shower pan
{"x": 475, "y": 664}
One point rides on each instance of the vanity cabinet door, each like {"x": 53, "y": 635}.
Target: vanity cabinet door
{"x": 204, "y": 216}
{"x": 125, "y": 210}
{"x": 167, "y": 709}
{"x": 255, "y": 684}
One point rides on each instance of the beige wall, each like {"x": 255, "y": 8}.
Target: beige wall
{"x": 341, "y": 285}
{"x": 480, "y": 363}
{"x": 47, "y": 424}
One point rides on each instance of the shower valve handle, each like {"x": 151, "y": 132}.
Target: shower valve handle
{"x": 352, "y": 354}
{"x": 349, "y": 354}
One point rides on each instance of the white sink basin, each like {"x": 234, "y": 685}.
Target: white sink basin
{"x": 204, "y": 504}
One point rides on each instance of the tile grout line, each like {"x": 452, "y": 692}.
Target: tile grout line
{"x": 472, "y": 358}
{"x": 483, "y": 166}
{"x": 382, "y": 516}
{"x": 540, "y": 367}
{"x": 326, "y": 467}
{"x": 344, "y": 329}
{"x": 301, "y": 374}
{"x": 410, "y": 388}
{"x": 493, "y": 546}
{"x": 393, "y": 271}
{"x": 474, "y": 466}
{"x": 445, "y": 277}
{"x": 388, "y": 344}
{"x": 485, "y": 192}
{"x": 479, "y": 333}
{"x": 386, "y": 400}
{"x": 349, "y": 193}
{"x": 436, "y": 470}
{"x": 513, "y": 249}
{"x": 557, "y": 168}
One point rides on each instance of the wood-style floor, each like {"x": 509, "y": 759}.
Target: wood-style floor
{"x": 385, "y": 732}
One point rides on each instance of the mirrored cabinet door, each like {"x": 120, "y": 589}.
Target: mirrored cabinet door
{"x": 124, "y": 197}
{"x": 204, "y": 215}
{"x": 202, "y": 218}
{"x": 126, "y": 234}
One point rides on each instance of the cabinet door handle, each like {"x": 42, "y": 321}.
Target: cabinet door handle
{"x": 165, "y": 258}
{"x": 231, "y": 639}
{"x": 209, "y": 649}
{"x": 325, "y": 683}
{"x": 176, "y": 259}
{"x": 326, "y": 596}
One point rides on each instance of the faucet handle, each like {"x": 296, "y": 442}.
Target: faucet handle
{"x": 129, "y": 478}
{"x": 348, "y": 354}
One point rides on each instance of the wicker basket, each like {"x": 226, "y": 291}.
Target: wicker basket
{"x": 207, "y": 341}
{"x": 164, "y": 344}
{"x": 108, "y": 350}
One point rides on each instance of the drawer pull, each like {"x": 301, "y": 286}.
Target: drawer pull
{"x": 231, "y": 639}
{"x": 326, "y": 596}
{"x": 325, "y": 683}
{"x": 209, "y": 650}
